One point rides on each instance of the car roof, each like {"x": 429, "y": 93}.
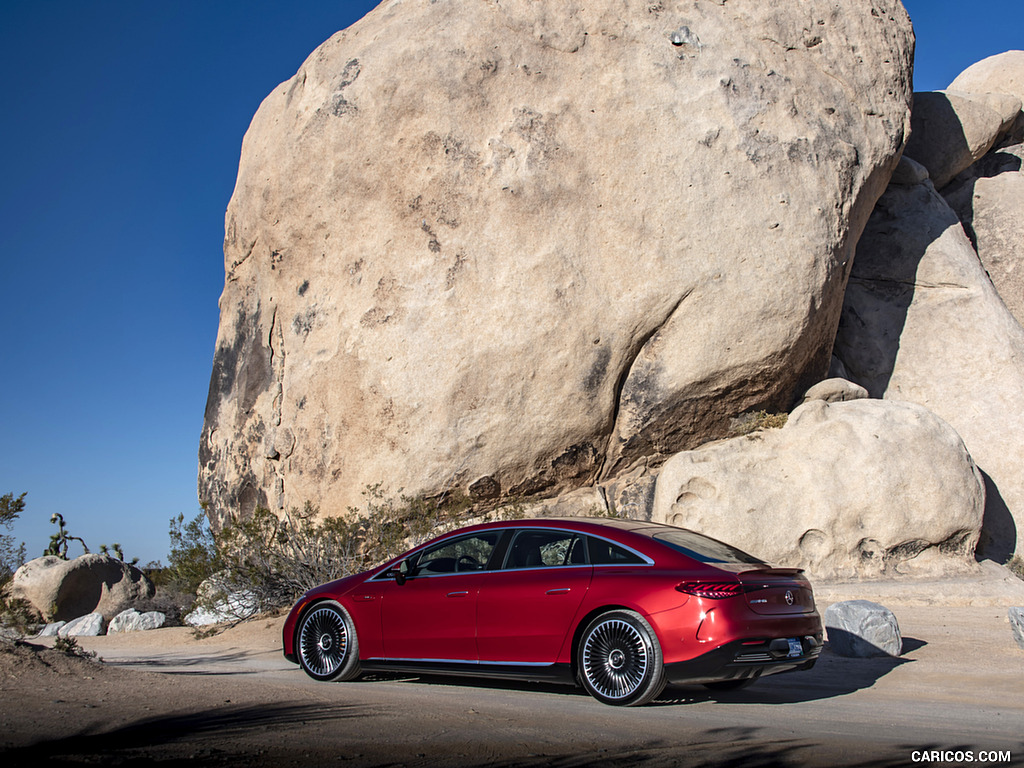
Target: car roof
{"x": 594, "y": 525}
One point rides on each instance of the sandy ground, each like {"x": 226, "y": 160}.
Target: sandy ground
{"x": 164, "y": 697}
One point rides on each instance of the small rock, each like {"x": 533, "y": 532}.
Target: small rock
{"x": 90, "y": 625}
{"x": 861, "y": 629}
{"x": 835, "y": 390}
{"x": 1017, "y": 625}
{"x": 50, "y": 630}
{"x": 908, "y": 173}
{"x": 133, "y": 621}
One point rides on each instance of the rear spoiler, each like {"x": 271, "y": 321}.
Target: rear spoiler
{"x": 755, "y": 572}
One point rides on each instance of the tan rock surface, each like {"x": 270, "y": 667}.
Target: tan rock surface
{"x": 62, "y": 590}
{"x": 989, "y": 199}
{"x": 516, "y": 247}
{"x": 849, "y": 489}
{"x": 949, "y": 131}
{"x": 1002, "y": 73}
{"x": 1004, "y": 104}
{"x": 923, "y": 323}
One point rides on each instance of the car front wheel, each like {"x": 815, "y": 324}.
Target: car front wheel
{"x": 620, "y": 661}
{"x": 327, "y": 643}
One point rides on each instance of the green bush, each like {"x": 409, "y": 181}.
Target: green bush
{"x": 194, "y": 556}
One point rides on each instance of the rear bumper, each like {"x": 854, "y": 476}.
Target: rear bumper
{"x": 741, "y": 659}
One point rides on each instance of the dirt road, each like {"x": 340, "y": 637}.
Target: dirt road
{"x": 163, "y": 697}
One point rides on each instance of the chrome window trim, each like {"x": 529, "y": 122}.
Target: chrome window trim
{"x": 646, "y": 560}
{"x": 383, "y": 575}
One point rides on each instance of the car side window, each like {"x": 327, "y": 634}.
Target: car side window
{"x": 469, "y": 553}
{"x": 603, "y": 552}
{"x": 540, "y": 549}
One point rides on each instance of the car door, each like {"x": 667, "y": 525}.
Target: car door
{"x": 432, "y": 615}
{"x": 527, "y": 607}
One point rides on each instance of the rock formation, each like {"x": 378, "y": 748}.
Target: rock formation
{"x": 516, "y": 248}
{"x": 1001, "y": 75}
{"x": 922, "y": 322}
{"x": 989, "y": 200}
{"x": 949, "y": 132}
{"x": 63, "y": 590}
{"x": 847, "y": 489}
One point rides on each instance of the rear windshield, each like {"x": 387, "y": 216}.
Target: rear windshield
{"x": 703, "y": 548}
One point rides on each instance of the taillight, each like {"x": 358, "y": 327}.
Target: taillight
{"x": 713, "y": 590}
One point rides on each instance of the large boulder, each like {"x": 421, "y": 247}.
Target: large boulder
{"x": 855, "y": 489}
{"x": 989, "y": 199}
{"x": 62, "y": 590}
{"x": 999, "y": 74}
{"x": 949, "y": 131}
{"x": 513, "y": 248}
{"x": 923, "y": 323}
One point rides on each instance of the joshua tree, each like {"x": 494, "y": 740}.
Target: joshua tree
{"x": 59, "y": 541}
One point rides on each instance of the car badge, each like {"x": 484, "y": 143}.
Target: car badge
{"x": 789, "y": 598}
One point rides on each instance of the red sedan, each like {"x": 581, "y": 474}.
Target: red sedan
{"x": 621, "y": 606}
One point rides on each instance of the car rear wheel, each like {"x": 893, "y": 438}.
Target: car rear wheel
{"x": 327, "y": 643}
{"x": 619, "y": 659}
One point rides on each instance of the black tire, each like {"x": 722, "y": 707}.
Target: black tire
{"x": 730, "y": 685}
{"x": 326, "y": 643}
{"x": 619, "y": 660}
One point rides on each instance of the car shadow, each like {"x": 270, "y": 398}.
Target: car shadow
{"x": 832, "y": 676}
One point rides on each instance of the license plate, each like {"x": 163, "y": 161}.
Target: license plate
{"x": 796, "y": 648}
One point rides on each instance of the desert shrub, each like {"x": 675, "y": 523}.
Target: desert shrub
{"x": 752, "y": 422}
{"x": 194, "y": 556}
{"x": 1016, "y": 566}
{"x": 268, "y": 561}
{"x": 390, "y": 526}
{"x": 69, "y": 646}
{"x": 17, "y": 614}
{"x": 274, "y": 560}
{"x": 118, "y": 552}
{"x": 11, "y": 556}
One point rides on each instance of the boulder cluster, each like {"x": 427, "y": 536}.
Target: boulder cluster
{"x": 91, "y": 595}
{"x": 559, "y": 253}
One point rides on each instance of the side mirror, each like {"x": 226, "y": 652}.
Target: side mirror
{"x": 402, "y": 572}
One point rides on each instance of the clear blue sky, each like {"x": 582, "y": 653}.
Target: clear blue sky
{"x": 121, "y": 132}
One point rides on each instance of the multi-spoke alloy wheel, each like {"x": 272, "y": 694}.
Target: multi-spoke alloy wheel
{"x": 620, "y": 660}
{"x": 327, "y": 644}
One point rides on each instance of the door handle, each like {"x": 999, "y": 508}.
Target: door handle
{"x": 559, "y": 591}
{"x": 458, "y": 594}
